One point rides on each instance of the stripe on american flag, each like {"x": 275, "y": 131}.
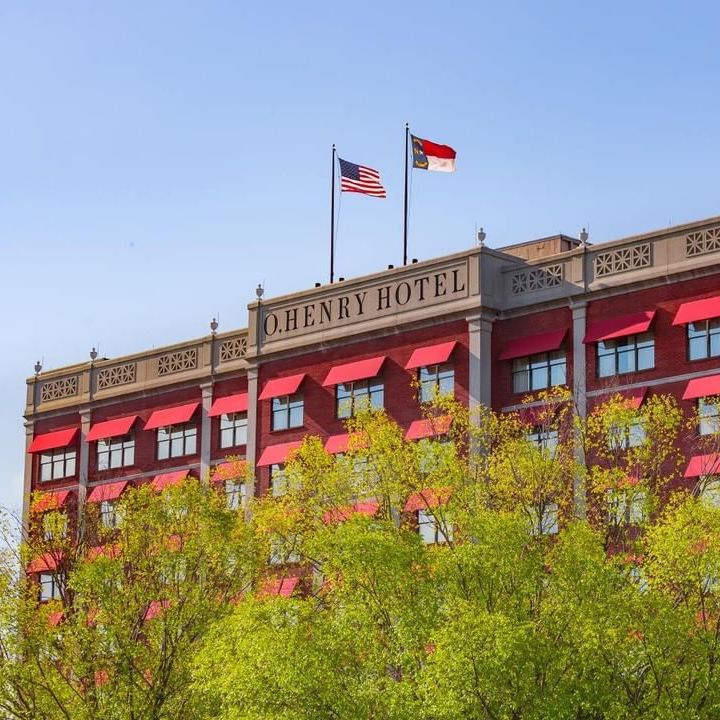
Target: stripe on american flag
{"x": 360, "y": 179}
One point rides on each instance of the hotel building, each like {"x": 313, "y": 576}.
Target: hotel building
{"x": 639, "y": 315}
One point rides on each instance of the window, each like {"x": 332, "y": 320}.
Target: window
{"x": 538, "y": 372}
{"x": 278, "y": 480}
{"x": 546, "y": 522}
{"x": 58, "y": 464}
{"x": 49, "y": 587}
{"x": 54, "y": 526}
{"x": 287, "y": 412}
{"x": 435, "y": 453}
{"x": 233, "y": 430}
{"x": 235, "y": 494}
{"x": 623, "y": 437}
{"x": 626, "y": 355}
{"x": 703, "y": 339}
{"x": 431, "y": 531}
{"x": 284, "y": 550}
{"x": 710, "y": 492}
{"x": 176, "y": 440}
{"x": 109, "y": 515}
{"x": 115, "y": 453}
{"x": 708, "y": 417}
{"x": 546, "y": 439}
{"x": 436, "y": 380}
{"x": 359, "y": 395}
{"x": 626, "y": 507}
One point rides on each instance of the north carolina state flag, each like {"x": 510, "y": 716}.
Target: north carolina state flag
{"x": 428, "y": 155}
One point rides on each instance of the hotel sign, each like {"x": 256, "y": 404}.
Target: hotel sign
{"x": 363, "y": 303}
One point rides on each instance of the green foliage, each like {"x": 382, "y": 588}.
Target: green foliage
{"x": 520, "y": 609}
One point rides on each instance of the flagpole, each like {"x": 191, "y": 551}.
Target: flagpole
{"x": 405, "y": 227}
{"x": 332, "y": 220}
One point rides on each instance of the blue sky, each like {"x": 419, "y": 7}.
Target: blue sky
{"x": 158, "y": 160}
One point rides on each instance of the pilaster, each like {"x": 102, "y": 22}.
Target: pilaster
{"x": 579, "y": 385}
{"x": 251, "y": 451}
{"x": 27, "y": 476}
{"x": 480, "y": 346}
{"x": 205, "y": 429}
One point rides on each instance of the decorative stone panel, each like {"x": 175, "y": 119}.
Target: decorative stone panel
{"x": 537, "y": 279}
{"x": 623, "y": 259}
{"x": 58, "y": 389}
{"x": 176, "y": 362}
{"x": 702, "y": 242}
{"x": 234, "y": 349}
{"x": 114, "y": 376}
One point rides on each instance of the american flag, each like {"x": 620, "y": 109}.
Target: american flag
{"x": 360, "y": 179}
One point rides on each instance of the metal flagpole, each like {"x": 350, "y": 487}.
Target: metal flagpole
{"x": 332, "y": 220}
{"x": 405, "y": 227}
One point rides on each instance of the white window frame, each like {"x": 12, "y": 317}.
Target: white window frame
{"x": 431, "y": 530}
{"x": 710, "y": 490}
{"x": 278, "y": 480}
{"x": 176, "y": 441}
{"x": 115, "y": 452}
{"x": 436, "y": 381}
{"x": 708, "y": 417}
{"x": 58, "y": 464}
{"x": 639, "y": 348}
{"x": 548, "y": 524}
{"x": 287, "y": 412}
{"x": 626, "y": 507}
{"x": 546, "y": 439}
{"x": 233, "y": 430}
{"x": 109, "y": 515}
{"x": 539, "y": 371}
{"x": 703, "y": 338}
{"x": 235, "y": 494}
{"x": 626, "y": 436}
{"x": 49, "y": 587}
{"x": 352, "y": 397}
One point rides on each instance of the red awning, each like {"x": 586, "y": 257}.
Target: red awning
{"x": 45, "y": 562}
{"x": 171, "y": 416}
{"x": 428, "y": 427}
{"x": 703, "y": 465}
{"x": 107, "y": 551}
{"x": 341, "y": 443}
{"x": 284, "y": 587}
{"x": 55, "y": 618}
{"x": 50, "y": 501}
{"x": 633, "y": 398}
{"x": 340, "y": 514}
{"x": 279, "y": 387}
{"x": 155, "y": 609}
{"x": 52, "y": 440}
{"x": 702, "y": 387}
{"x": 428, "y": 498}
{"x": 698, "y": 310}
{"x": 359, "y": 370}
{"x": 160, "y": 482}
{"x": 430, "y": 355}
{"x": 539, "y": 414}
{"x": 231, "y": 470}
{"x": 229, "y": 404}
{"x": 111, "y": 428}
{"x": 107, "y": 492}
{"x": 619, "y": 326}
{"x": 532, "y": 345}
{"x": 277, "y": 454}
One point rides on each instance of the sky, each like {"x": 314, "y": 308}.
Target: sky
{"x": 160, "y": 159}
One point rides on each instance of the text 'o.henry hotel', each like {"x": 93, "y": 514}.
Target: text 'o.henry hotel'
{"x": 640, "y": 315}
